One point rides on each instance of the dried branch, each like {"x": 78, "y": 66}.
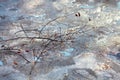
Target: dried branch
{"x": 32, "y": 68}
{"x": 47, "y": 24}
{"x": 29, "y": 38}
{"x": 41, "y": 53}
{"x": 23, "y": 30}
{"x": 27, "y": 30}
{"x": 14, "y": 51}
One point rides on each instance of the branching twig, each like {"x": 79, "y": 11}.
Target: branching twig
{"x": 41, "y": 53}
{"x": 32, "y": 68}
{"x": 23, "y": 30}
{"x": 47, "y": 24}
{"x": 14, "y": 52}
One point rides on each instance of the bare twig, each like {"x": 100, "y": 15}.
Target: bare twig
{"x": 24, "y": 58}
{"x": 14, "y": 52}
{"x": 27, "y": 30}
{"x": 41, "y": 53}
{"x": 29, "y": 38}
{"x": 32, "y": 68}
{"x": 47, "y": 24}
{"x": 23, "y": 30}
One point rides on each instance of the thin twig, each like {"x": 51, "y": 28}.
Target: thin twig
{"x": 29, "y": 38}
{"x": 23, "y": 30}
{"x": 32, "y": 68}
{"x": 14, "y": 51}
{"x": 27, "y": 30}
{"x": 24, "y": 58}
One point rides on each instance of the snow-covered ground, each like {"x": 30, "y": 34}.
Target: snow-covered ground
{"x": 60, "y": 40}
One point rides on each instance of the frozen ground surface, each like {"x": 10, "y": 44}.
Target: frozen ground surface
{"x": 59, "y": 40}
